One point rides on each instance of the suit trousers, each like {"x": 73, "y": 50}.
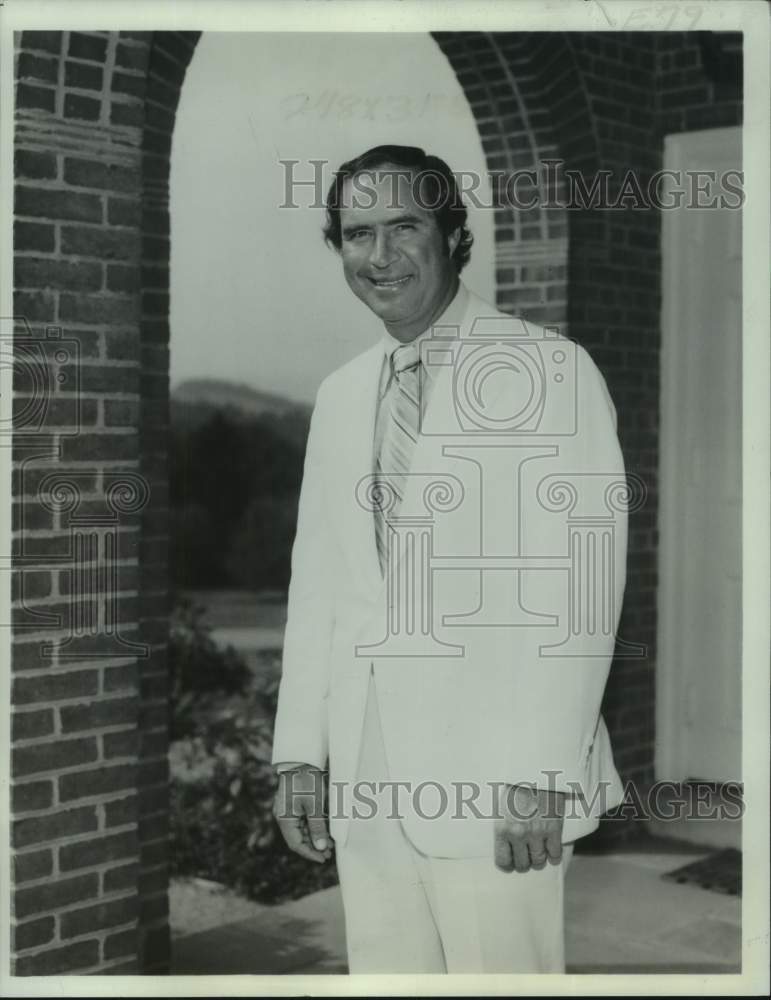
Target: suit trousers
{"x": 407, "y": 912}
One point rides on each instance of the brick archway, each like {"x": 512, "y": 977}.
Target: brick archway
{"x": 94, "y": 123}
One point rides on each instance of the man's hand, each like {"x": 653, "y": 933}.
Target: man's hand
{"x": 529, "y": 832}
{"x": 299, "y": 811}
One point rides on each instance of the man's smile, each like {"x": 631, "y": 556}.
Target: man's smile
{"x": 389, "y": 282}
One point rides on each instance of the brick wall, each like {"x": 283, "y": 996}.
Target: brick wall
{"x": 89, "y": 766}
{"x": 94, "y": 120}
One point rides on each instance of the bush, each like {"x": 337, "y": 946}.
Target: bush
{"x": 198, "y": 668}
{"x": 222, "y": 784}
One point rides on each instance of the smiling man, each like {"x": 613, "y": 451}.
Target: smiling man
{"x": 459, "y": 724}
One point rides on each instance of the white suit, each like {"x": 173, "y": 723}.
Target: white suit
{"x": 523, "y": 465}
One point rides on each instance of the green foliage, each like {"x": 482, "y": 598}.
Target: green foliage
{"x": 267, "y": 529}
{"x": 233, "y": 487}
{"x": 222, "y": 785}
{"x": 198, "y": 669}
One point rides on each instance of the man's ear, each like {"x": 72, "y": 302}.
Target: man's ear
{"x": 453, "y": 240}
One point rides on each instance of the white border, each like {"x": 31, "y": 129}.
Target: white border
{"x": 751, "y": 16}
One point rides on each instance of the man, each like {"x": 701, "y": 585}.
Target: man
{"x": 451, "y": 617}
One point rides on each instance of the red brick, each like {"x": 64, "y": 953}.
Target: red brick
{"x": 99, "y": 781}
{"x": 71, "y": 205}
{"x": 51, "y": 756}
{"x": 127, "y": 113}
{"x": 105, "y": 244}
{"x": 109, "y": 379}
{"x": 155, "y": 880}
{"x": 155, "y": 799}
{"x": 97, "y": 308}
{"x": 34, "y": 306}
{"x": 33, "y": 933}
{"x": 37, "y": 272}
{"x": 32, "y": 795}
{"x": 86, "y": 46}
{"x": 99, "y": 917}
{"x": 121, "y": 944}
{"x": 154, "y": 826}
{"x": 121, "y": 413}
{"x": 104, "y": 447}
{"x": 53, "y": 961}
{"x": 127, "y": 969}
{"x": 125, "y": 83}
{"x": 121, "y": 278}
{"x": 83, "y": 76}
{"x": 98, "y": 714}
{"x": 33, "y": 236}
{"x": 28, "y": 725}
{"x": 32, "y": 865}
{"x": 155, "y": 947}
{"x": 34, "y": 164}
{"x": 154, "y": 908}
{"x": 122, "y": 877}
{"x": 28, "y": 516}
{"x": 55, "y": 894}
{"x": 123, "y": 744}
{"x": 55, "y": 686}
{"x": 124, "y": 211}
{"x": 61, "y": 413}
{"x": 120, "y": 812}
{"x": 83, "y": 108}
{"x": 55, "y": 826}
{"x": 155, "y": 853}
{"x": 87, "y": 853}
{"x": 41, "y": 98}
{"x": 42, "y": 41}
{"x": 98, "y": 174}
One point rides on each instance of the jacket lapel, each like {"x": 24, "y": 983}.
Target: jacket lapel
{"x": 353, "y": 463}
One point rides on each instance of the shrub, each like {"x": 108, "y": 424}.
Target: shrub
{"x": 222, "y": 785}
{"x": 198, "y": 668}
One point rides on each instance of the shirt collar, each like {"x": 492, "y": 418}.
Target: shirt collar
{"x": 452, "y": 316}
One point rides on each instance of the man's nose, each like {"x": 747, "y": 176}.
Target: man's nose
{"x": 382, "y": 251}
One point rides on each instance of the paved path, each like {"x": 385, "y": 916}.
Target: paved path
{"x": 621, "y": 917}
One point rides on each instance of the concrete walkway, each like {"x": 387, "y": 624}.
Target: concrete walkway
{"x": 621, "y": 917}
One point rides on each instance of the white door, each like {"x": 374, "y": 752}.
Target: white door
{"x": 699, "y": 613}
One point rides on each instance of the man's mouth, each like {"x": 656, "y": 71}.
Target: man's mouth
{"x": 390, "y": 282}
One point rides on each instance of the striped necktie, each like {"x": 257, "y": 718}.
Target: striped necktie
{"x": 399, "y": 438}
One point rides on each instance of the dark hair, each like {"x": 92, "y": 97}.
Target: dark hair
{"x": 439, "y": 193}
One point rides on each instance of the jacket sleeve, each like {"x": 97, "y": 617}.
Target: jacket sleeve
{"x": 300, "y": 732}
{"x": 558, "y": 691}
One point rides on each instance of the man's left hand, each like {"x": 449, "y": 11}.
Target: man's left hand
{"x": 529, "y": 832}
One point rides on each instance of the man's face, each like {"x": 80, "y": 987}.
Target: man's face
{"x": 395, "y": 258}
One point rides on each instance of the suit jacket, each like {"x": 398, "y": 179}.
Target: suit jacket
{"x": 497, "y": 673}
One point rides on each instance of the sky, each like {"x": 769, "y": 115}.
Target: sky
{"x": 256, "y": 296}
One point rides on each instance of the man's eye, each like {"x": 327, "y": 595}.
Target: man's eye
{"x": 405, "y": 226}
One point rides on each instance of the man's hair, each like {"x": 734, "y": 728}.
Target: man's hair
{"x": 434, "y": 188}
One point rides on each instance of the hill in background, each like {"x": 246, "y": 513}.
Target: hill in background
{"x": 235, "y": 467}
{"x": 195, "y": 401}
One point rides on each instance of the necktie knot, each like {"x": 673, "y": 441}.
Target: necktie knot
{"x": 404, "y": 358}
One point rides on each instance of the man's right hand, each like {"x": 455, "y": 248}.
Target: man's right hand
{"x": 299, "y": 811}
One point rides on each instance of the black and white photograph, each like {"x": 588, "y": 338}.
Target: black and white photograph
{"x": 384, "y": 411}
